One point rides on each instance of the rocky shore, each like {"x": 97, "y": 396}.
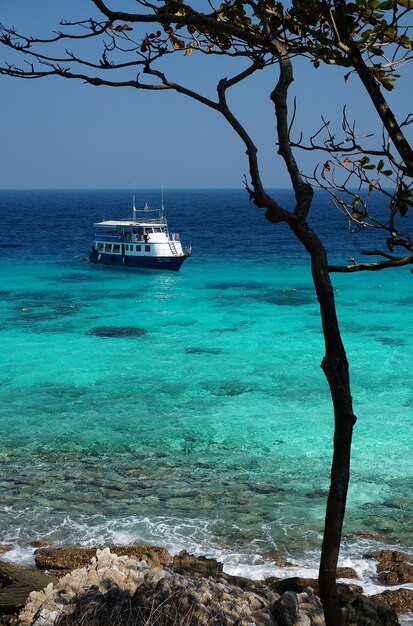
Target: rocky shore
{"x": 145, "y": 585}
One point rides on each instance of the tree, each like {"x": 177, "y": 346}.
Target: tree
{"x": 369, "y": 38}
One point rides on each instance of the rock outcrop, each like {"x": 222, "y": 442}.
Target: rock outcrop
{"x": 393, "y": 566}
{"x": 63, "y": 560}
{"x": 401, "y": 600}
{"x": 187, "y": 591}
{"x": 364, "y": 611}
{"x": 112, "y": 586}
{"x": 298, "y": 585}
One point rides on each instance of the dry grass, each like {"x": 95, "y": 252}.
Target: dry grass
{"x": 119, "y": 609}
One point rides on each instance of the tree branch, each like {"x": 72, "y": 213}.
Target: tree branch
{"x": 372, "y": 267}
{"x": 303, "y": 191}
{"x": 189, "y": 17}
{"x": 386, "y": 115}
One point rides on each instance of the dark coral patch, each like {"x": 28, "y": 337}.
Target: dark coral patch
{"x": 74, "y": 277}
{"x": 224, "y": 330}
{"x": 392, "y": 341}
{"x": 196, "y": 350}
{"x": 244, "y": 286}
{"x": 119, "y": 332}
{"x": 287, "y": 297}
{"x": 229, "y": 388}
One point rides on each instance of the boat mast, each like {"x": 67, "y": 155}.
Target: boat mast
{"x": 162, "y": 201}
{"x": 133, "y": 204}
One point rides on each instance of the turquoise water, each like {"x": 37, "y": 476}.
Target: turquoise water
{"x": 209, "y": 425}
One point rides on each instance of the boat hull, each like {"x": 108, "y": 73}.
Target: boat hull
{"x": 172, "y": 263}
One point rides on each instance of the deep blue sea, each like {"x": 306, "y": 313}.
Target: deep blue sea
{"x": 212, "y": 431}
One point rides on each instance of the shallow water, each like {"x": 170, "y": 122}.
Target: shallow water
{"x": 189, "y": 409}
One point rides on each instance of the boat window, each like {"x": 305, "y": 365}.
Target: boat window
{"x": 147, "y": 248}
{"x": 138, "y": 248}
{"x": 116, "y": 247}
{"x": 100, "y": 246}
{"x": 126, "y": 247}
{"x": 108, "y": 247}
{"x": 149, "y": 230}
{"x": 157, "y": 230}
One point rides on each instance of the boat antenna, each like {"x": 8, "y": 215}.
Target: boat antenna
{"x": 162, "y": 209}
{"x": 133, "y": 204}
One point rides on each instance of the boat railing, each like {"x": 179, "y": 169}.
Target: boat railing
{"x": 108, "y": 236}
{"x": 139, "y": 221}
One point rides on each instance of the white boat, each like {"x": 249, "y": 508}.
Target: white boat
{"x": 141, "y": 242}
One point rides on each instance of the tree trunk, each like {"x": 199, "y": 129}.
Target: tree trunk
{"x": 335, "y": 367}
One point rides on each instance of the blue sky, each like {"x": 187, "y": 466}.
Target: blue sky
{"x": 63, "y": 134}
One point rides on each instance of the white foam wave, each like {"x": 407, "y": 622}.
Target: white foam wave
{"x": 196, "y": 537}
{"x": 23, "y": 555}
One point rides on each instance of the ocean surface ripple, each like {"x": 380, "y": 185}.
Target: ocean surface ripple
{"x": 189, "y": 409}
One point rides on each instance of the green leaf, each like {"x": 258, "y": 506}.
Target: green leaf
{"x": 391, "y": 32}
{"x": 388, "y": 83}
{"x": 387, "y": 172}
{"x": 376, "y": 50}
{"x": 366, "y": 34}
{"x": 380, "y": 165}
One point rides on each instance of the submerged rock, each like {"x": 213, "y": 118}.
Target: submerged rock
{"x": 317, "y": 493}
{"x": 285, "y": 297}
{"x": 5, "y": 547}
{"x": 39, "y": 543}
{"x": 278, "y": 557}
{"x": 372, "y": 534}
{"x": 243, "y": 286}
{"x": 195, "y": 350}
{"x": 229, "y": 388}
{"x": 120, "y": 332}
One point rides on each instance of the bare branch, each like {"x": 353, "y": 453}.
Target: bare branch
{"x": 372, "y": 267}
{"x": 303, "y": 191}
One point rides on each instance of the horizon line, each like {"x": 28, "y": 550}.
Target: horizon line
{"x": 129, "y": 188}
